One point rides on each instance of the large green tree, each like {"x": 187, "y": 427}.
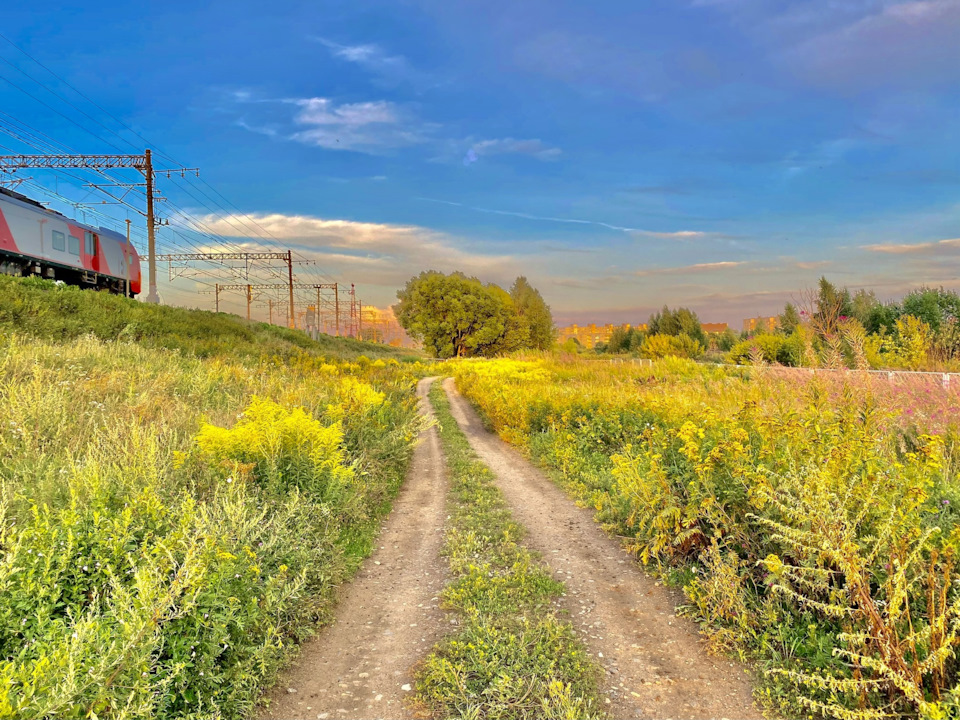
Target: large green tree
{"x": 935, "y": 306}
{"x": 458, "y": 316}
{"x": 534, "y": 313}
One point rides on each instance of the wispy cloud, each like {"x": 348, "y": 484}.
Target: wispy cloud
{"x": 638, "y": 232}
{"x": 380, "y": 253}
{"x": 373, "y": 127}
{"x": 511, "y": 146}
{"x": 267, "y": 130}
{"x": 608, "y": 280}
{"x": 666, "y": 189}
{"x": 913, "y": 42}
{"x": 389, "y": 68}
{"x": 689, "y": 269}
{"x": 856, "y": 44}
{"x": 364, "y": 127}
{"x": 823, "y": 155}
{"x": 914, "y": 248}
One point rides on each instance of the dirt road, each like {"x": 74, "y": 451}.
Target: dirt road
{"x": 388, "y": 617}
{"x": 656, "y": 665}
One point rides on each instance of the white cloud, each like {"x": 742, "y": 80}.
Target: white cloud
{"x": 393, "y": 69}
{"x": 505, "y": 146}
{"x": 914, "y": 248}
{"x": 696, "y": 268}
{"x": 369, "y": 127}
{"x": 379, "y": 254}
{"x": 372, "y": 127}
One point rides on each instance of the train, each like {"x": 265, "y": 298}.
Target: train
{"x": 35, "y": 240}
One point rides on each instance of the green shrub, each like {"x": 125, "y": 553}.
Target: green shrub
{"x": 660, "y": 346}
{"x": 780, "y": 349}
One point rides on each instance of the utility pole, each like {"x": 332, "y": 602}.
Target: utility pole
{"x": 316, "y": 316}
{"x": 336, "y": 302}
{"x": 143, "y": 163}
{"x": 270, "y": 305}
{"x": 126, "y": 260}
{"x": 216, "y": 292}
{"x": 152, "y": 295}
{"x": 352, "y": 327}
{"x": 293, "y": 317}
{"x": 275, "y": 287}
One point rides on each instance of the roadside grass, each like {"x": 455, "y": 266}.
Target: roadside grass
{"x": 514, "y": 656}
{"x": 172, "y": 525}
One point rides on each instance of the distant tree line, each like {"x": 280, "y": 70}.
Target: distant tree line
{"x": 831, "y": 326}
{"x": 453, "y": 315}
{"x": 828, "y": 326}
{"x": 669, "y": 332}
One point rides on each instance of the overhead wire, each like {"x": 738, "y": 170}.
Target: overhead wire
{"x": 124, "y": 125}
{"x": 244, "y": 222}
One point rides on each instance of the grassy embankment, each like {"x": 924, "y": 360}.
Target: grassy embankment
{"x": 811, "y": 521}
{"x": 514, "y": 656}
{"x": 180, "y": 495}
{"x": 41, "y": 309}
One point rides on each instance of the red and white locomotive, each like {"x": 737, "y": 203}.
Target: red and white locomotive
{"x": 35, "y": 240}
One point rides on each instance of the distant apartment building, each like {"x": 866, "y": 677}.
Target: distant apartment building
{"x": 760, "y": 323}
{"x": 713, "y": 327}
{"x": 589, "y": 335}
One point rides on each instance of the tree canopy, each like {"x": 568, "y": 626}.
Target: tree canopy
{"x": 534, "y": 313}
{"x": 681, "y": 321}
{"x": 458, "y": 316}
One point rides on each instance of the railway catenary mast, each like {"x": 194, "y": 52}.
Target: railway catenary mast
{"x": 247, "y": 257}
{"x": 318, "y": 287}
{"x": 143, "y": 163}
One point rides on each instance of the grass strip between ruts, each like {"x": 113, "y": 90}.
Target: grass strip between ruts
{"x": 514, "y": 656}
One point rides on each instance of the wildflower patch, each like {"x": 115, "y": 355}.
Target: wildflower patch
{"x": 172, "y": 526}
{"x": 811, "y": 521}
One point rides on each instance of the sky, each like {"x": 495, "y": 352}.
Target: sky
{"x": 716, "y": 154}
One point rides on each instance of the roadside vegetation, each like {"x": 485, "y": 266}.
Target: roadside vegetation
{"x": 176, "y": 516}
{"x": 514, "y": 656}
{"x": 812, "y": 521}
{"x": 829, "y": 327}
{"x": 834, "y": 328}
{"x": 42, "y": 309}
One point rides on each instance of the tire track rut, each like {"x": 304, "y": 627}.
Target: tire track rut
{"x": 656, "y": 664}
{"x": 388, "y": 617}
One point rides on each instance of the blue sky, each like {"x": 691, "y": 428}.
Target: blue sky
{"x": 720, "y": 154}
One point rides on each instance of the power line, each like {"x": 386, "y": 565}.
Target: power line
{"x": 243, "y": 222}
{"x": 136, "y": 133}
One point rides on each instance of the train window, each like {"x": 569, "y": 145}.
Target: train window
{"x": 74, "y": 245}
{"x": 59, "y": 241}
{"x": 90, "y": 246}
